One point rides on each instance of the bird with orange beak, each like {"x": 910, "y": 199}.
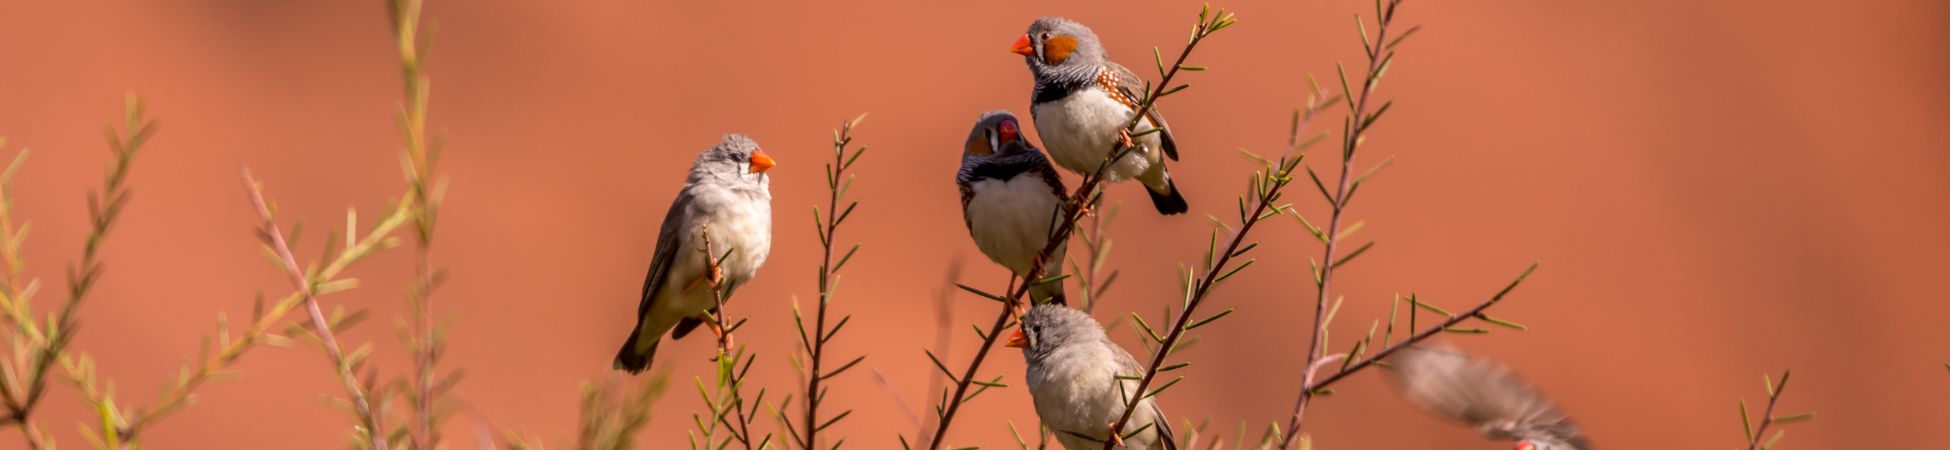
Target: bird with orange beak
{"x": 1011, "y": 199}
{"x": 1081, "y": 104}
{"x": 1079, "y": 382}
{"x": 726, "y": 207}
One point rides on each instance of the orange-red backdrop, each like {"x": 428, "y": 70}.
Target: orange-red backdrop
{"x": 1715, "y": 190}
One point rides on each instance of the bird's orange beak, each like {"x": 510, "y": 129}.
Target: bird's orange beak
{"x": 1022, "y": 47}
{"x": 1016, "y": 340}
{"x": 761, "y": 161}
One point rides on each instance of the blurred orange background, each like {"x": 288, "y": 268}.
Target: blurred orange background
{"x": 1715, "y": 190}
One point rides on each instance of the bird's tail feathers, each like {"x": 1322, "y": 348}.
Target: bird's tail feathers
{"x": 629, "y": 360}
{"x": 1170, "y": 201}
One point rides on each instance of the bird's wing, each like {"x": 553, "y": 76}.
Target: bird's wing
{"x": 964, "y": 182}
{"x": 1127, "y": 82}
{"x": 669, "y": 239}
{"x": 1479, "y": 393}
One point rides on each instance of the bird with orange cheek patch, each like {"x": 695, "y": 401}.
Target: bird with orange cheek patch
{"x": 1484, "y": 395}
{"x": 1011, "y": 199}
{"x": 1081, "y": 103}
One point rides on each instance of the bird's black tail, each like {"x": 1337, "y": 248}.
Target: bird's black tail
{"x": 1170, "y": 202}
{"x": 629, "y": 360}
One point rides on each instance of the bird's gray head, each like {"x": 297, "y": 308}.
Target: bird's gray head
{"x": 737, "y": 160}
{"x": 997, "y": 134}
{"x": 1052, "y": 326}
{"x": 1055, "y": 45}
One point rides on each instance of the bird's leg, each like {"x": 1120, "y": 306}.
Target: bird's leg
{"x": 1124, "y": 140}
{"x": 714, "y": 276}
{"x": 1115, "y": 440}
{"x": 725, "y": 341}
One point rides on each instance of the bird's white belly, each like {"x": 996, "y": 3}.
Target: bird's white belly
{"x": 1081, "y": 130}
{"x": 1084, "y": 400}
{"x": 743, "y": 228}
{"x": 1011, "y": 220}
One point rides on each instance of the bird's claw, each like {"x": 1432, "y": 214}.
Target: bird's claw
{"x": 1124, "y": 139}
{"x": 723, "y": 337}
{"x": 715, "y": 276}
{"x": 1115, "y": 440}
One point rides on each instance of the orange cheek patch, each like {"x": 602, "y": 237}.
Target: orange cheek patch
{"x": 1057, "y": 49}
{"x": 978, "y": 146}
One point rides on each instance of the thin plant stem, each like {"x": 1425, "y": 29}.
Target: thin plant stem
{"x": 322, "y": 327}
{"x": 421, "y": 156}
{"x": 838, "y": 181}
{"x": 1350, "y": 142}
{"x": 24, "y": 380}
{"x": 1757, "y": 437}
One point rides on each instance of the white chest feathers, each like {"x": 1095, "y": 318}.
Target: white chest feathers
{"x": 1081, "y": 129}
{"x": 1011, "y": 220}
{"x": 1076, "y": 392}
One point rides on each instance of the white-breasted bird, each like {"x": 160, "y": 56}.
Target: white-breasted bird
{"x": 1011, "y": 199}
{"x": 1073, "y": 379}
{"x": 727, "y": 198}
{"x": 1081, "y": 103}
{"x": 1484, "y": 395}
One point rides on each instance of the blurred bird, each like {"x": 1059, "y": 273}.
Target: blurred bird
{"x": 1073, "y": 370}
{"x": 727, "y": 199}
{"x": 1485, "y": 395}
{"x": 1011, "y": 199}
{"x": 1083, "y": 100}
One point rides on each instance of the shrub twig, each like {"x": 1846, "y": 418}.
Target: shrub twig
{"x": 725, "y": 399}
{"x": 1357, "y": 122}
{"x": 838, "y": 181}
{"x": 610, "y": 421}
{"x": 1380, "y": 53}
{"x": 421, "y": 158}
{"x": 1754, "y": 434}
{"x": 310, "y": 289}
{"x": 24, "y": 379}
{"x": 1092, "y": 281}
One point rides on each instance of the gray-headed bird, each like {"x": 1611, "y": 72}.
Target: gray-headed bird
{"x": 726, "y": 198}
{"x": 1073, "y": 379}
{"x": 1484, "y": 395}
{"x": 1011, "y": 199}
{"x": 1081, "y": 103}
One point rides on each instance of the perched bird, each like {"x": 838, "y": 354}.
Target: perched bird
{"x": 727, "y": 199}
{"x": 1073, "y": 370}
{"x": 1083, "y": 100}
{"x": 1483, "y": 394}
{"x": 1011, "y": 199}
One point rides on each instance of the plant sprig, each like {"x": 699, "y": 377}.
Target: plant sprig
{"x": 1353, "y": 134}
{"x": 724, "y": 399}
{"x": 838, "y": 181}
{"x": 1754, "y": 434}
{"x": 310, "y": 285}
{"x": 37, "y": 347}
{"x": 426, "y": 387}
{"x": 123, "y": 428}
